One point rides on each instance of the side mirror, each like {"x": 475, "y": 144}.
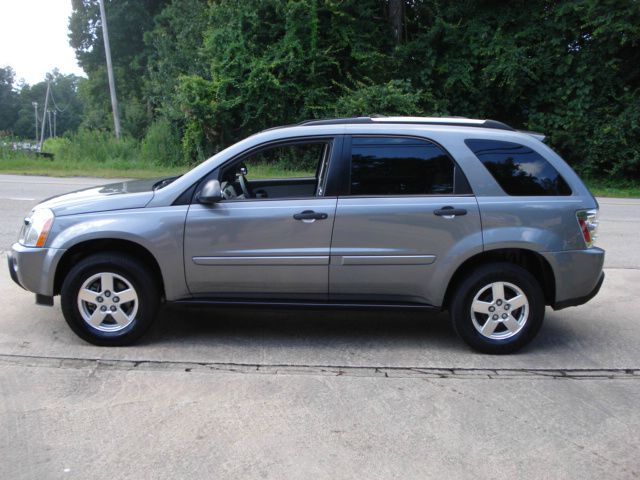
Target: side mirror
{"x": 211, "y": 192}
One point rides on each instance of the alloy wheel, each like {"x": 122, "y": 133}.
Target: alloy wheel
{"x": 108, "y": 302}
{"x": 499, "y": 310}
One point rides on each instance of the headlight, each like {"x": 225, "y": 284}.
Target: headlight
{"x": 36, "y": 228}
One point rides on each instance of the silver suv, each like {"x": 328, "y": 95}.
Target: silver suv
{"x": 469, "y": 216}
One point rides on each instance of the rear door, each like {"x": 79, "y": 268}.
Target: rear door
{"x": 405, "y": 213}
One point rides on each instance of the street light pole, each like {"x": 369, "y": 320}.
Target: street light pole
{"x": 112, "y": 84}
{"x": 35, "y": 107}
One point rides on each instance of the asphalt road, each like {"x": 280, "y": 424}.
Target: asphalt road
{"x": 280, "y": 394}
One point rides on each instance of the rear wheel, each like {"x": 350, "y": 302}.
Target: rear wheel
{"x": 498, "y": 308}
{"x": 109, "y": 299}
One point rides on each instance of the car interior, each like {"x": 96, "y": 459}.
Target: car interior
{"x": 294, "y": 170}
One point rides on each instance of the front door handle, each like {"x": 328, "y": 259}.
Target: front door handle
{"x": 449, "y": 212}
{"x": 310, "y": 215}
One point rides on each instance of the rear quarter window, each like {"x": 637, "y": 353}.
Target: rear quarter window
{"x": 518, "y": 169}
{"x": 399, "y": 166}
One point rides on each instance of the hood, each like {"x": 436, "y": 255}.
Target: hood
{"x": 115, "y": 196}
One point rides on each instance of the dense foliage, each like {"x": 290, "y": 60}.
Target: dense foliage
{"x": 194, "y": 75}
{"x": 17, "y": 116}
{"x": 8, "y": 99}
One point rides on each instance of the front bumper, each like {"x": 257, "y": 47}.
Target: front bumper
{"x": 578, "y": 275}
{"x": 13, "y": 270}
{"x": 34, "y": 269}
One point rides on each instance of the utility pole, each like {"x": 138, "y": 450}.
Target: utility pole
{"x": 396, "y": 17}
{"x": 112, "y": 83}
{"x": 50, "y": 129}
{"x": 55, "y": 123}
{"x": 35, "y": 107}
{"x": 44, "y": 116}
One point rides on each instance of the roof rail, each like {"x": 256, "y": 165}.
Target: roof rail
{"x": 536, "y": 135}
{"x": 453, "y": 121}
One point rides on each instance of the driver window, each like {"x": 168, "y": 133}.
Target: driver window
{"x": 284, "y": 171}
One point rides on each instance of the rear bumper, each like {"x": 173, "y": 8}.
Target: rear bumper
{"x": 573, "y": 302}
{"x": 578, "y": 275}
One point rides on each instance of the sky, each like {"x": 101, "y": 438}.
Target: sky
{"x": 33, "y": 38}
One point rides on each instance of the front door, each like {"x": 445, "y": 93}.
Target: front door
{"x": 406, "y": 212}
{"x": 270, "y": 237}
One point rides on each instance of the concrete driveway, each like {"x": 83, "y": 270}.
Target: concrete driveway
{"x": 284, "y": 394}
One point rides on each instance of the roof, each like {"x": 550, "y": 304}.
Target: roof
{"x": 453, "y": 121}
{"x": 441, "y": 121}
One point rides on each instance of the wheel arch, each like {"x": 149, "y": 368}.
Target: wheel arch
{"x": 530, "y": 260}
{"x": 86, "y": 248}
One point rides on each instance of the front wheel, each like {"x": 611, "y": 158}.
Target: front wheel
{"x": 109, "y": 299}
{"x": 498, "y": 308}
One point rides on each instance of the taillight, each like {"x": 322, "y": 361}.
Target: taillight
{"x": 588, "y": 221}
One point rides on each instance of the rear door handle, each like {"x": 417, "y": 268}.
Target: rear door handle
{"x": 449, "y": 212}
{"x": 310, "y": 215}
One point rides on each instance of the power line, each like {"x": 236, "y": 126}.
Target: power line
{"x": 61, "y": 110}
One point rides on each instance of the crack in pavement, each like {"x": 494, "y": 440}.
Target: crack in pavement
{"x": 326, "y": 370}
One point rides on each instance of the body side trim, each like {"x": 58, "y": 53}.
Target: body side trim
{"x": 386, "y": 259}
{"x": 265, "y": 260}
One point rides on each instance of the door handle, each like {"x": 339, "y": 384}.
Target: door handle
{"x": 449, "y": 212}
{"x": 310, "y": 215}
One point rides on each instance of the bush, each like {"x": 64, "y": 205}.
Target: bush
{"x": 395, "y": 97}
{"x": 92, "y": 146}
{"x": 161, "y": 145}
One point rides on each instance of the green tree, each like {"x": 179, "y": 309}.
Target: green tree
{"x": 272, "y": 62}
{"x": 215, "y": 71}
{"x": 8, "y": 99}
{"x": 128, "y": 21}
{"x": 174, "y": 44}
{"x": 570, "y": 69}
{"x": 64, "y": 100}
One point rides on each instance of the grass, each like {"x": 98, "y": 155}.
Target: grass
{"x": 24, "y": 163}
{"x": 612, "y": 188}
{"x": 261, "y": 171}
{"x": 29, "y": 164}
{"x": 91, "y": 153}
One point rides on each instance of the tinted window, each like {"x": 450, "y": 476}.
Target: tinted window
{"x": 518, "y": 169}
{"x": 399, "y": 166}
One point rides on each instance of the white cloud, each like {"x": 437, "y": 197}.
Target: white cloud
{"x": 34, "y": 38}
{"x": 532, "y": 168}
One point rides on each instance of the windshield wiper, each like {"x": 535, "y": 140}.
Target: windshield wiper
{"x": 164, "y": 182}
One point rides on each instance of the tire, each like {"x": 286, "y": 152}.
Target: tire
{"x": 476, "y": 304}
{"x": 110, "y": 299}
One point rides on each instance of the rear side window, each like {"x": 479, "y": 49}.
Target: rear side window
{"x": 518, "y": 169}
{"x": 399, "y": 166}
